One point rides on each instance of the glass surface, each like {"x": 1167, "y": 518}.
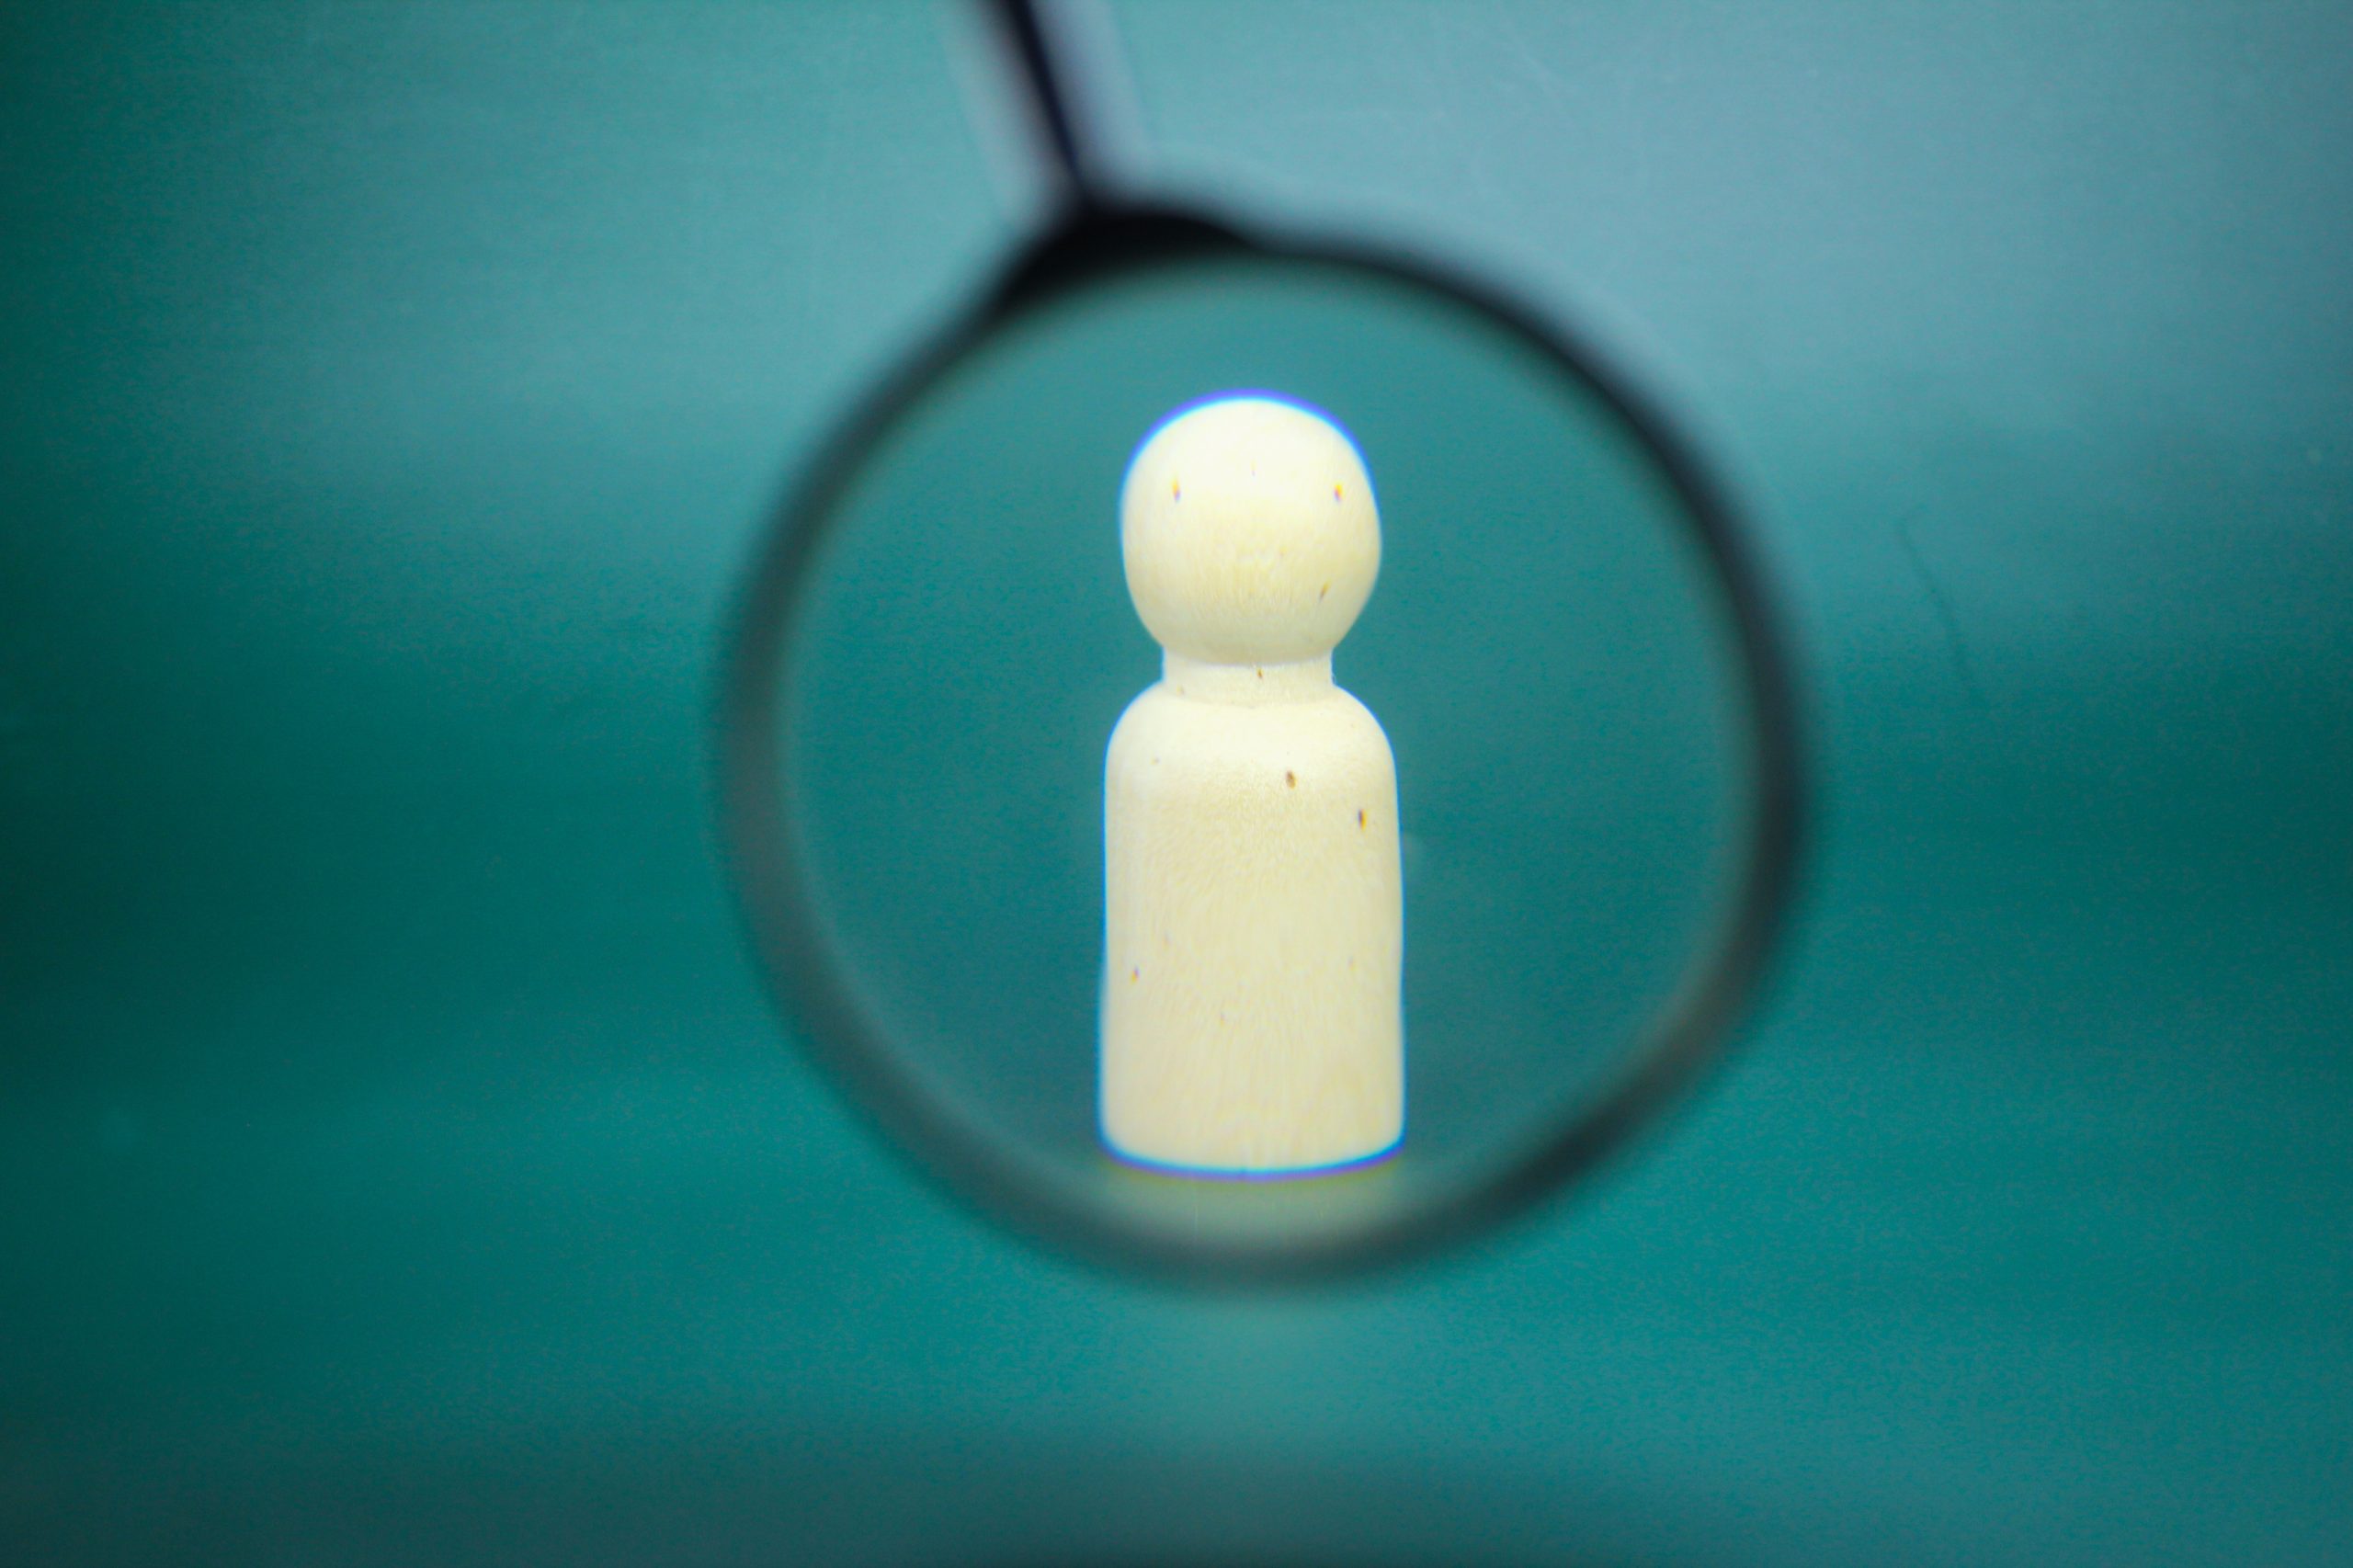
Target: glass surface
{"x": 1546, "y": 647}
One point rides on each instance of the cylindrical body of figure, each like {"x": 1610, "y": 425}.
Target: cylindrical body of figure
{"x": 1255, "y": 925}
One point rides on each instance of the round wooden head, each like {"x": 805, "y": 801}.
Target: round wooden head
{"x": 1249, "y": 532}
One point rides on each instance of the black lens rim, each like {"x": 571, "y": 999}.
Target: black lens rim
{"x": 756, "y": 807}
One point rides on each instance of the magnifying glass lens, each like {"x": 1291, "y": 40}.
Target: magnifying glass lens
{"x": 1549, "y": 648}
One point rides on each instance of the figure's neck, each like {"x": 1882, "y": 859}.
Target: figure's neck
{"x": 1247, "y": 685}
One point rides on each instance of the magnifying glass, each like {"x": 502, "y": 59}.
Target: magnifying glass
{"x": 1263, "y": 994}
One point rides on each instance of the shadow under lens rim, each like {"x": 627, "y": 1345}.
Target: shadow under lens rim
{"x": 1026, "y": 1193}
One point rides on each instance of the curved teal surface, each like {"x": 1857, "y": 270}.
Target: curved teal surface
{"x": 397, "y": 1159}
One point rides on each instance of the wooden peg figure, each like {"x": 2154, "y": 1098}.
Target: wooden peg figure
{"x": 1254, "y": 909}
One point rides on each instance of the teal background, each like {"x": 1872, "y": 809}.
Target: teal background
{"x": 398, "y": 1162}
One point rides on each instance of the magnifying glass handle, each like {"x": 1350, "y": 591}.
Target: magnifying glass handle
{"x": 1044, "y": 76}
